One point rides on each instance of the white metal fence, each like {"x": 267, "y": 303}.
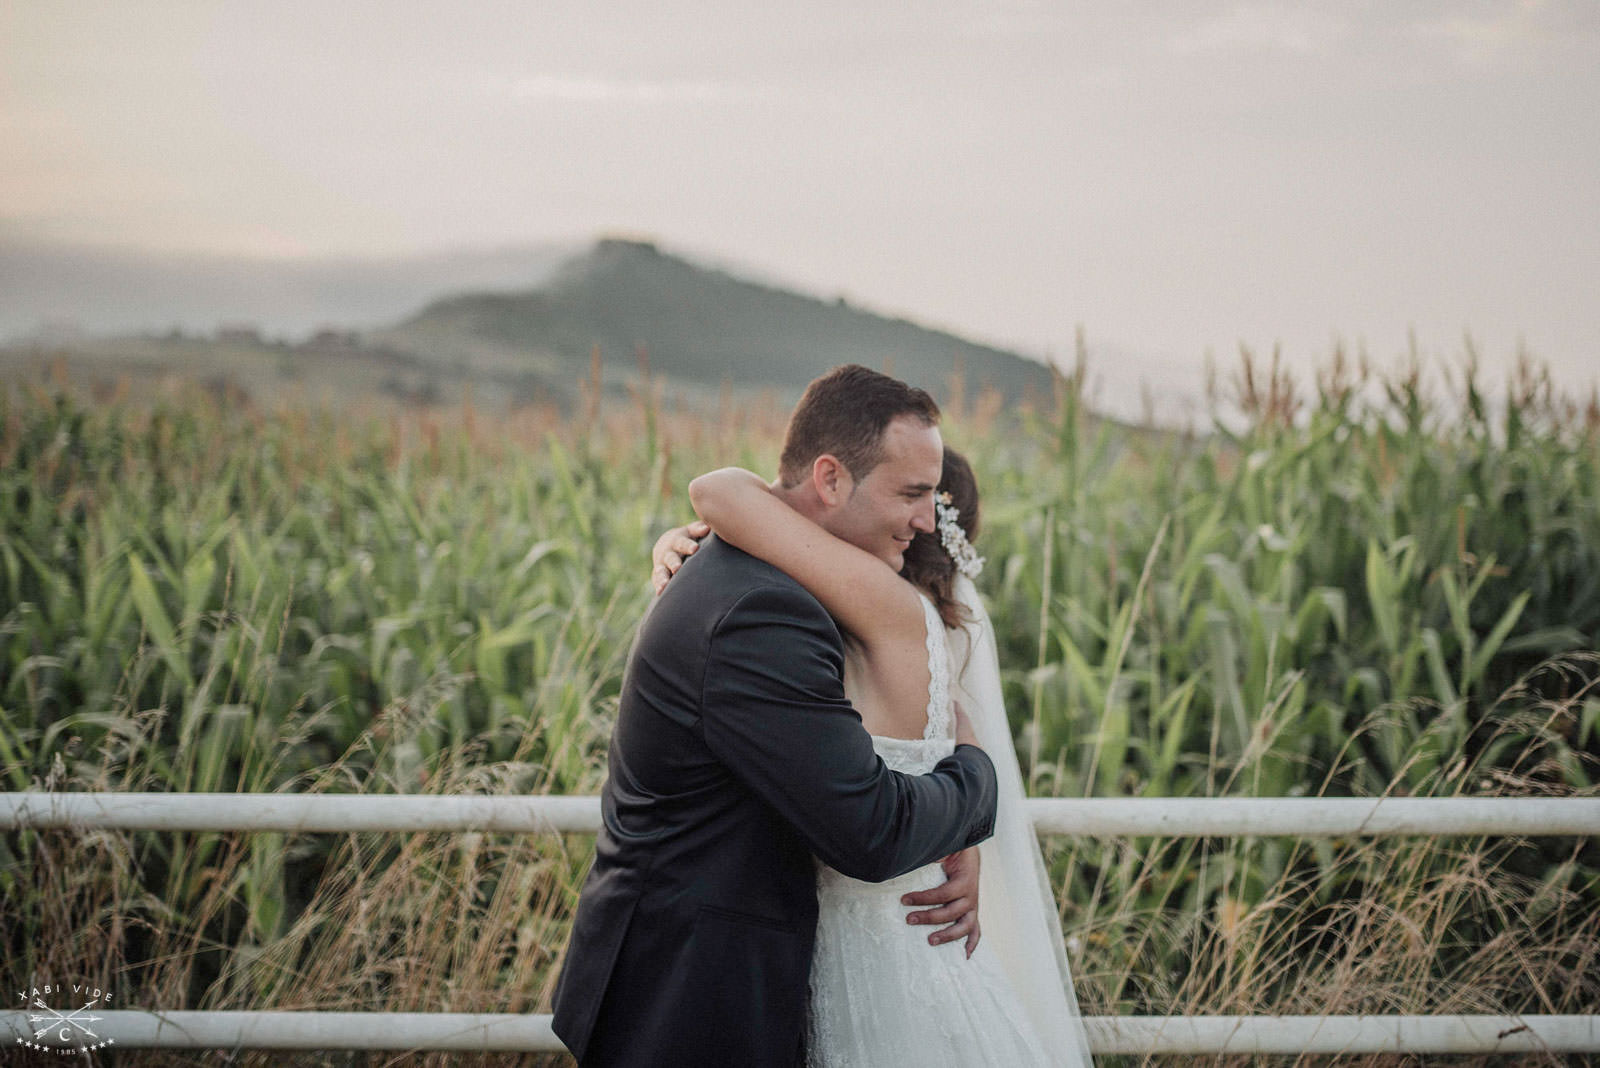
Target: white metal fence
{"x": 1144, "y": 817}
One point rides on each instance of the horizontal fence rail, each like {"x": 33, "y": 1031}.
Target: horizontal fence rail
{"x": 1139, "y": 817}
{"x": 1329, "y": 817}
{"x": 492, "y": 1032}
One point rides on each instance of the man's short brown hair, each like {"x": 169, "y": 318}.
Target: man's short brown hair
{"x": 844, "y": 414}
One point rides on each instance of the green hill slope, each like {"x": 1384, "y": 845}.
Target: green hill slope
{"x": 699, "y": 327}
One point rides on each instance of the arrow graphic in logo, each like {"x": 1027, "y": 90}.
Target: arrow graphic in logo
{"x": 59, "y": 1019}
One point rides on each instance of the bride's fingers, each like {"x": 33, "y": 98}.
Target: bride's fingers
{"x": 673, "y": 548}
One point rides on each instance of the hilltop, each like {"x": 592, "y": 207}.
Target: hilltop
{"x": 698, "y": 327}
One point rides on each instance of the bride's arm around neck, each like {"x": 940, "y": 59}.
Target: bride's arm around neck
{"x": 859, "y": 590}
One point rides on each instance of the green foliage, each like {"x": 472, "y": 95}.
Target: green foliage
{"x": 1190, "y": 617}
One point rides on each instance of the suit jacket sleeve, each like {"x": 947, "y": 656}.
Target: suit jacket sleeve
{"x": 775, "y": 714}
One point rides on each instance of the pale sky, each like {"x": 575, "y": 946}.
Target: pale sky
{"x": 1173, "y": 177}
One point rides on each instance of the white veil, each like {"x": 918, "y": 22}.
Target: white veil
{"x": 1016, "y": 903}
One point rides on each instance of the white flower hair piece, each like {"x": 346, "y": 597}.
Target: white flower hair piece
{"x": 954, "y": 539}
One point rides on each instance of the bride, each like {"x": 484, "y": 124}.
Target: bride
{"x": 916, "y": 642}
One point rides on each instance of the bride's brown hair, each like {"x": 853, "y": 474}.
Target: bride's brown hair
{"x": 927, "y": 565}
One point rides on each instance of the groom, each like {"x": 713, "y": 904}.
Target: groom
{"x": 736, "y": 759}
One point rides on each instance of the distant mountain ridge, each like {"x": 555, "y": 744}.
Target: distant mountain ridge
{"x": 101, "y": 291}
{"x": 698, "y": 327}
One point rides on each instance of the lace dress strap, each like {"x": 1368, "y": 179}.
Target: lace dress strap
{"x": 939, "y": 720}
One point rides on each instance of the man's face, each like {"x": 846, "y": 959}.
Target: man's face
{"x": 895, "y": 499}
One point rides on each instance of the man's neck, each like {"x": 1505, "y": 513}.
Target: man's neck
{"x": 803, "y": 499}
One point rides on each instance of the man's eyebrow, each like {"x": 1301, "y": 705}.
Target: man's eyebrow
{"x": 919, "y": 487}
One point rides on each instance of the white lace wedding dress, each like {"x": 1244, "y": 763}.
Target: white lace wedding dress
{"x": 880, "y": 994}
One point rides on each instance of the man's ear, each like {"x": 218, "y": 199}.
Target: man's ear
{"x": 831, "y": 479}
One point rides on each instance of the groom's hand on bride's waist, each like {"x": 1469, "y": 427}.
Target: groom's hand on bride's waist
{"x": 956, "y": 901}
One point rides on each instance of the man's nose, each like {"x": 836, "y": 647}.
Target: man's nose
{"x": 923, "y": 519}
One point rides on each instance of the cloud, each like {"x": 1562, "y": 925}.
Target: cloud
{"x": 1258, "y": 28}
{"x": 1485, "y": 38}
{"x": 559, "y": 89}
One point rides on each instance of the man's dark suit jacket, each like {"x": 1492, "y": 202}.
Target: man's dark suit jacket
{"x": 736, "y": 758}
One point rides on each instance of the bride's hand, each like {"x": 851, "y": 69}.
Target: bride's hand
{"x": 672, "y": 549}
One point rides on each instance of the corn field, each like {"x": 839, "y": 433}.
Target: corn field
{"x": 1363, "y": 585}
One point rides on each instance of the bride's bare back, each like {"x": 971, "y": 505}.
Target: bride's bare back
{"x": 885, "y": 690}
